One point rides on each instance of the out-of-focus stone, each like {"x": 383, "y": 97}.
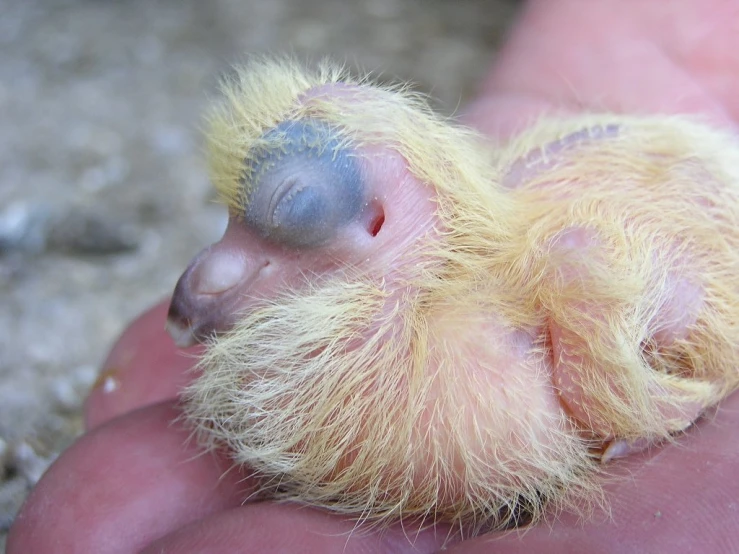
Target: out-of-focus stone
{"x": 27, "y": 463}
{"x": 12, "y": 493}
{"x": 23, "y": 227}
{"x": 4, "y": 455}
{"x": 91, "y": 233}
{"x": 68, "y": 391}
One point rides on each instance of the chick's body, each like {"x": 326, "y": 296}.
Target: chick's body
{"x": 462, "y": 346}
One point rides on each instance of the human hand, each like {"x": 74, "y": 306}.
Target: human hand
{"x": 131, "y": 481}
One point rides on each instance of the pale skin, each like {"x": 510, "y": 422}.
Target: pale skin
{"x": 130, "y": 484}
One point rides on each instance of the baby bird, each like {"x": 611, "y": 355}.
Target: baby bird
{"x": 405, "y": 320}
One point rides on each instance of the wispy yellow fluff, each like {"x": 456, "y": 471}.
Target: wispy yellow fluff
{"x": 375, "y": 395}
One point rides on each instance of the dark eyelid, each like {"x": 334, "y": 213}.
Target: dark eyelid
{"x": 307, "y": 154}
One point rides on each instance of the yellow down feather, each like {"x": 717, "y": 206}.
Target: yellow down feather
{"x": 359, "y": 392}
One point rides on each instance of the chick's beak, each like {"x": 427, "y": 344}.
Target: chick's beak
{"x": 206, "y": 295}
{"x": 217, "y": 284}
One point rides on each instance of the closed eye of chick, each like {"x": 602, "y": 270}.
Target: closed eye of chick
{"x": 404, "y": 320}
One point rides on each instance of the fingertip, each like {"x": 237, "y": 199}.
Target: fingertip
{"x": 143, "y": 367}
{"x": 502, "y": 115}
{"x": 269, "y": 527}
{"x": 123, "y": 485}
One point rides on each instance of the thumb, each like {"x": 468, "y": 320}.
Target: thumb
{"x": 569, "y": 56}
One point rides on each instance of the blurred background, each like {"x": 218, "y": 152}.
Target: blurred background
{"x": 104, "y": 197}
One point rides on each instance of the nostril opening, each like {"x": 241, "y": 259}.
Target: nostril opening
{"x": 376, "y": 218}
{"x": 266, "y": 270}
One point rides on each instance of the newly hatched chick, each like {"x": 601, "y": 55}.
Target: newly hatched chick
{"x": 404, "y": 320}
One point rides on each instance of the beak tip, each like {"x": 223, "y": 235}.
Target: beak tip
{"x": 182, "y": 335}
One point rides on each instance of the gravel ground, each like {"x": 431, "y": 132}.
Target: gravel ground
{"x": 103, "y": 193}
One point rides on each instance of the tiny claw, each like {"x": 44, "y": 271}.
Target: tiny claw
{"x": 620, "y": 448}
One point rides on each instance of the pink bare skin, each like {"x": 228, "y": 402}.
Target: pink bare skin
{"x": 133, "y": 484}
